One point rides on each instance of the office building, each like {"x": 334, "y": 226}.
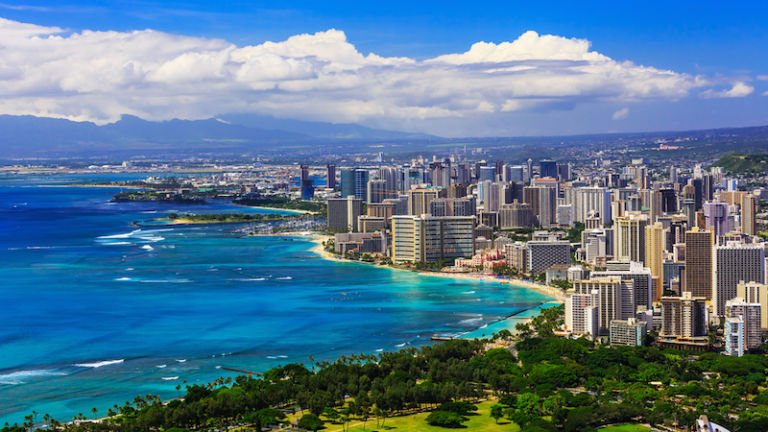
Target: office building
{"x": 376, "y": 191}
{"x": 543, "y": 201}
{"x": 733, "y": 263}
{"x": 698, "y": 263}
{"x": 548, "y": 168}
{"x": 734, "y": 337}
{"x": 343, "y": 213}
{"x": 354, "y": 182}
{"x": 419, "y": 199}
{"x": 431, "y": 239}
{"x": 331, "y": 176}
{"x": 716, "y": 218}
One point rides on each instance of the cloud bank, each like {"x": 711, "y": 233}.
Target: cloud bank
{"x": 97, "y": 76}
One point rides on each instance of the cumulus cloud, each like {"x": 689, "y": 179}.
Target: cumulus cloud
{"x": 621, "y": 114}
{"x": 99, "y": 75}
{"x": 739, "y": 89}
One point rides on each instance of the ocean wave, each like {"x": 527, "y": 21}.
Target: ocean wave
{"x": 180, "y": 280}
{"x": 285, "y": 278}
{"x": 470, "y": 321}
{"x": 99, "y": 364}
{"x": 161, "y": 366}
{"x": 380, "y": 350}
{"x": 118, "y": 244}
{"x": 468, "y": 292}
{"x": 250, "y": 279}
{"x": 123, "y": 279}
{"x": 272, "y": 357}
{"x": 124, "y": 235}
{"x": 151, "y": 238}
{"x": 148, "y": 247}
{"x": 401, "y": 345}
{"x": 18, "y": 377}
{"x": 173, "y": 378}
{"x": 181, "y": 360}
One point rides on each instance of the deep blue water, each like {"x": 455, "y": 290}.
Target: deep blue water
{"x": 96, "y": 311}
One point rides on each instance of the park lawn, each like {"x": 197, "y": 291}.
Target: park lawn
{"x": 625, "y": 428}
{"x": 480, "y": 421}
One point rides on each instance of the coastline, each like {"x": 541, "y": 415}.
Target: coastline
{"x": 297, "y": 211}
{"x": 318, "y": 239}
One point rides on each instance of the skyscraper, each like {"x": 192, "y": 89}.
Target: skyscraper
{"x": 749, "y": 313}
{"x": 331, "y": 176}
{"x": 733, "y": 263}
{"x": 683, "y": 317}
{"x": 377, "y": 191}
{"x": 343, "y": 213}
{"x": 716, "y": 217}
{"x": 748, "y": 214}
{"x": 419, "y": 199}
{"x": 654, "y": 256}
{"x": 548, "y": 168}
{"x": 698, "y": 263}
{"x": 630, "y": 237}
{"x": 755, "y": 292}
{"x": 431, "y": 239}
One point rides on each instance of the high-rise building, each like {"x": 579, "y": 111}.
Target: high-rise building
{"x": 733, "y": 263}
{"x": 683, "y": 317}
{"x": 564, "y": 215}
{"x": 755, "y": 292}
{"x": 377, "y": 191}
{"x": 611, "y": 292}
{"x": 544, "y": 254}
{"x": 487, "y": 173}
{"x": 698, "y": 263}
{"x": 432, "y": 239}
{"x": 638, "y": 274}
{"x": 517, "y": 256}
{"x": 582, "y": 313}
{"x": 419, "y": 199}
{"x": 354, "y": 182}
{"x": 516, "y": 215}
{"x": 749, "y": 313}
{"x": 748, "y": 215}
{"x": 331, "y": 176}
{"x": 548, "y": 168}
{"x": 654, "y": 256}
{"x": 343, "y": 213}
{"x": 629, "y": 332}
{"x": 657, "y": 205}
{"x": 716, "y": 218}
{"x": 734, "y": 337}
{"x": 630, "y": 237}
{"x": 543, "y": 202}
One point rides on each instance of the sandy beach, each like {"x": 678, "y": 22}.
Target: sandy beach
{"x": 557, "y": 294}
{"x": 297, "y": 211}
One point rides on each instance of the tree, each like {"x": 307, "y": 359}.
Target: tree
{"x": 445, "y": 419}
{"x": 497, "y": 411}
{"x": 310, "y": 422}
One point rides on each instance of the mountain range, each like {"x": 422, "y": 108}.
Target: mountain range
{"x": 30, "y": 136}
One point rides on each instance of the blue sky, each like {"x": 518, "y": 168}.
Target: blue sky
{"x": 722, "y": 44}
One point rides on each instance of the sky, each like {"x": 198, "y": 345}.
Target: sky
{"x": 447, "y": 68}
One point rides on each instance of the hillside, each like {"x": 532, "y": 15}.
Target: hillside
{"x": 744, "y": 163}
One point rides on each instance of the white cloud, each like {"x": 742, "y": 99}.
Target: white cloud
{"x": 621, "y": 114}
{"x": 739, "y": 89}
{"x": 98, "y": 76}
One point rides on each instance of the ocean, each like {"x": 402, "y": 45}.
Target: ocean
{"x": 95, "y": 311}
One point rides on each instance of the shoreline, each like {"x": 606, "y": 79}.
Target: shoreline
{"x": 297, "y": 211}
{"x": 556, "y": 294}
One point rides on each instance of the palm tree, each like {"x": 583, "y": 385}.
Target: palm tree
{"x": 94, "y": 410}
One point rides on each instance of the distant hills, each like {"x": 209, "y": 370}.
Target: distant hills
{"x": 744, "y": 163}
{"x": 29, "y": 136}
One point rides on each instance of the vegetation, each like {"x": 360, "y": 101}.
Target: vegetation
{"x": 190, "y": 218}
{"x": 317, "y": 207}
{"x": 159, "y": 196}
{"x": 746, "y": 164}
{"x": 550, "y": 384}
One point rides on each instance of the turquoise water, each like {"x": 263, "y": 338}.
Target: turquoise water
{"x": 96, "y": 311}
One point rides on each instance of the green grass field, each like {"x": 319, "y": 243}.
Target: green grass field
{"x": 481, "y": 421}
